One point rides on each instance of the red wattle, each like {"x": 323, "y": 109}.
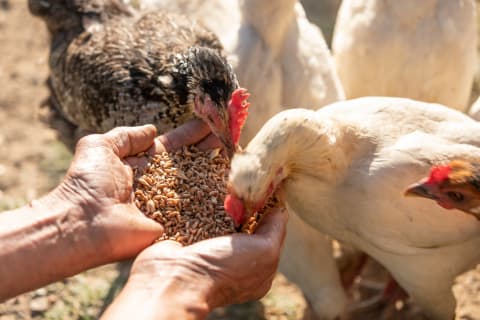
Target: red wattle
{"x": 235, "y": 209}
{"x": 444, "y": 205}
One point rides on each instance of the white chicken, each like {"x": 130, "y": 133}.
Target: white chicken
{"x": 343, "y": 170}
{"x": 424, "y": 50}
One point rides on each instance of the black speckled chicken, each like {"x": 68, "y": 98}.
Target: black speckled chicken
{"x": 111, "y": 66}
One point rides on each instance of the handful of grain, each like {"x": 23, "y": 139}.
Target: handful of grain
{"x": 184, "y": 191}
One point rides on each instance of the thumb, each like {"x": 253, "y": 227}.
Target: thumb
{"x": 136, "y": 230}
{"x": 128, "y": 141}
{"x": 188, "y": 133}
{"x": 274, "y": 225}
{"x": 167, "y": 245}
{"x": 167, "y": 248}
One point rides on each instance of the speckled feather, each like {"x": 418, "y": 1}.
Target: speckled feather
{"x": 125, "y": 68}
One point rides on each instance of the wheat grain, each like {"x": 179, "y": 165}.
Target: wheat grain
{"x": 185, "y": 191}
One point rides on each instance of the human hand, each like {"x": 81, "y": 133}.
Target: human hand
{"x": 240, "y": 266}
{"x": 99, "y": 181}
{"x": 90, "y": 218}
{"x": 175, "y": 282}
{"x": 194, "y": 132}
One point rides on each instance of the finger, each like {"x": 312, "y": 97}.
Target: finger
{"x": 157, "y": 147}
{"x": 137, "y": 162}
{"x": 168, "y": 245}
{"x": 189, "y": 133}
{"x": 274, "y": 225}
{"x": 165, "y": 247}
{"x": 128, "y": 141}
{"x": 210, "y": 142}
{"x": 136, "y": 231}
{"x": 137, "y": 219}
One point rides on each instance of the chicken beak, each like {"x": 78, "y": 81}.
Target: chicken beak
{"x": 419, "y": 189}
{"x": 216, "y": 116}
{"x": 223, "y": 132}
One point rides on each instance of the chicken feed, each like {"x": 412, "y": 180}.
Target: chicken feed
{"x": 184, "y": 191}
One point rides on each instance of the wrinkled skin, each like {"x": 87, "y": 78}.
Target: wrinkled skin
{"x": 229, "y": 269}
{"x": 234, "y": 269}
{"x": 100, "y": 182}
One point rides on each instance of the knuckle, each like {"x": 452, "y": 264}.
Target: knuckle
{"x": 166, "y": 142}
{"x": 89, "y": 140}
{"x": 118, "y": 131}
{"x": 118, "y": 137}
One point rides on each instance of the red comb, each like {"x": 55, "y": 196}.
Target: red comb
{"x": 439, "y": 174}
{"x": 235, "y": 209}
{"x": 237, "y": 112}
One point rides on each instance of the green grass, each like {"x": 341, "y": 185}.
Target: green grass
{"x": 55, "y": 162}
{"x": 11, "y": 203}
{"x": 81, "y": 297}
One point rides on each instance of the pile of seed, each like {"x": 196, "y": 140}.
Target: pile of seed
{"x": 184, "y": 191}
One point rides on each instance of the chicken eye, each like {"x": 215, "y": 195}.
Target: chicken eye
{"x": 455, "y": 196}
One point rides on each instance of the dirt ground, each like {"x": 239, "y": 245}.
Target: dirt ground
{"x": 33, "y": 161}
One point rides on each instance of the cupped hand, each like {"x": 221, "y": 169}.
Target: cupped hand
{"x": 224, "y": 270}
{"x": 100, "y": 180}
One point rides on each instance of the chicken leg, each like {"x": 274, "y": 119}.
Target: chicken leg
{"x": 307, "y": 260}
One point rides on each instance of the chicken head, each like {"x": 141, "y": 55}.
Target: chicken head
{"x": 216, "y": 98}
{"x": 250, "y": 186}
{"x": 455, "y": 185}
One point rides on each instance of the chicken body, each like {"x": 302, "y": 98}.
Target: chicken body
{"x": 424, "y": 50}
{"x": 119, "y": 67}
{"x": 343, "y": 170}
